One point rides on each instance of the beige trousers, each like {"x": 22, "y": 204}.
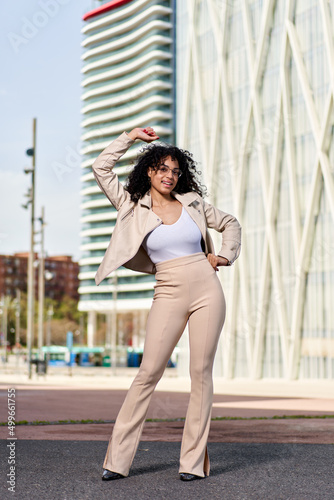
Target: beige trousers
{"x": 187, "y": 290}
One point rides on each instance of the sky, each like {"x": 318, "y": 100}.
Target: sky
{"x": 41, "y": 78}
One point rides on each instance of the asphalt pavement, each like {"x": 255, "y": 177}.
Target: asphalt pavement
{"x": 68, "y": 470}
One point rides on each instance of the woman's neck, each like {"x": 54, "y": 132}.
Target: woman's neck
{"x": 160, "y": 200}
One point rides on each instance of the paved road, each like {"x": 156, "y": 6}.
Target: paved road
{"x": 70, "y": 470}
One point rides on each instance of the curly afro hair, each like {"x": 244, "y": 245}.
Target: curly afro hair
{"x": 151, "y": 156}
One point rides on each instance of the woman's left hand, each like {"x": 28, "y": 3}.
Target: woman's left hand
{"x": 216, "y": 260}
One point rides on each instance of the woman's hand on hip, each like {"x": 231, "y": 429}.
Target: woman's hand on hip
{"x": 145, "y": 134}
{"x": 216, "y": 260}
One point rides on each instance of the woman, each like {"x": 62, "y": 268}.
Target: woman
{"x": 162, "y": 229}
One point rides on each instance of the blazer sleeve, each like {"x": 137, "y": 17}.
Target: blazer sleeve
{"x": 103, "y": 170}
{"x": 229, "y": 227}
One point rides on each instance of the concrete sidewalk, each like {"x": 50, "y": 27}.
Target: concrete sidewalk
{"x": 98, "y": 378}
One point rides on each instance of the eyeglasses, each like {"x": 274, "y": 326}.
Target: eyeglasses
{"x": 164, "y": 169}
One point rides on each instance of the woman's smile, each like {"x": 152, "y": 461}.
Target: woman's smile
{"x": 167, "y": 183}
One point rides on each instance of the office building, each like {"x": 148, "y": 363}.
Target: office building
{"x": 255, "y": 106}
{"x": 128, "y": 81}
{"x": 61, "y": 276}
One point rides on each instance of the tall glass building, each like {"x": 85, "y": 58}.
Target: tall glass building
{"x": 255, "y": 106}
{"x": 128, "y": 81}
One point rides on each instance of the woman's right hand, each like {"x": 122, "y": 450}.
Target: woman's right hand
{"x": 145, "y": 134}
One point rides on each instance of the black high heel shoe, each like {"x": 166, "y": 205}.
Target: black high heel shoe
{"x": 184, "y": 476}
{"x": 109, "y": 475}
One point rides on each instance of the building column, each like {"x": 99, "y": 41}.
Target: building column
{"x": 120, "y": 340}
{"x": 135, "y": 330}
{"x": 108, "y": 330}
{"x": 91, "y": 328}
{"x": 142, "y": 326}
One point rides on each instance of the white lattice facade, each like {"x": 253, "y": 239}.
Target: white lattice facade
{"x": 255, "y": 105}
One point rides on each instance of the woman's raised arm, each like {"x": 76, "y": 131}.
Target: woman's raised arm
{"x": 105, "y": 162}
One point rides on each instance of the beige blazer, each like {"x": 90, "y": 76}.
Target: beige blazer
{"x": 136, "y": 220}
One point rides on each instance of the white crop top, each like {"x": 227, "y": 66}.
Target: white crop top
{"x": 169, "y": 241}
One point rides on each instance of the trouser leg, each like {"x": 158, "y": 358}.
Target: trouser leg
{"x": 205, "y": 325}
{"x": 165, "y": 325}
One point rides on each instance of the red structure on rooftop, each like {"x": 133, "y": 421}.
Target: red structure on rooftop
{"x": 105, "y": 8}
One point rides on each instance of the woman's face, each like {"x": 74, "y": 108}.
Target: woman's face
{"x": 165, "y": 178}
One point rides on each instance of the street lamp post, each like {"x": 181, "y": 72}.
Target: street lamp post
{"x": 4, "y": 306}
{"x": 17, "y": 316}
{"x": 31, "y": 281}
{"x": 41, "y": 288}
{"x": 17, "y": 324}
